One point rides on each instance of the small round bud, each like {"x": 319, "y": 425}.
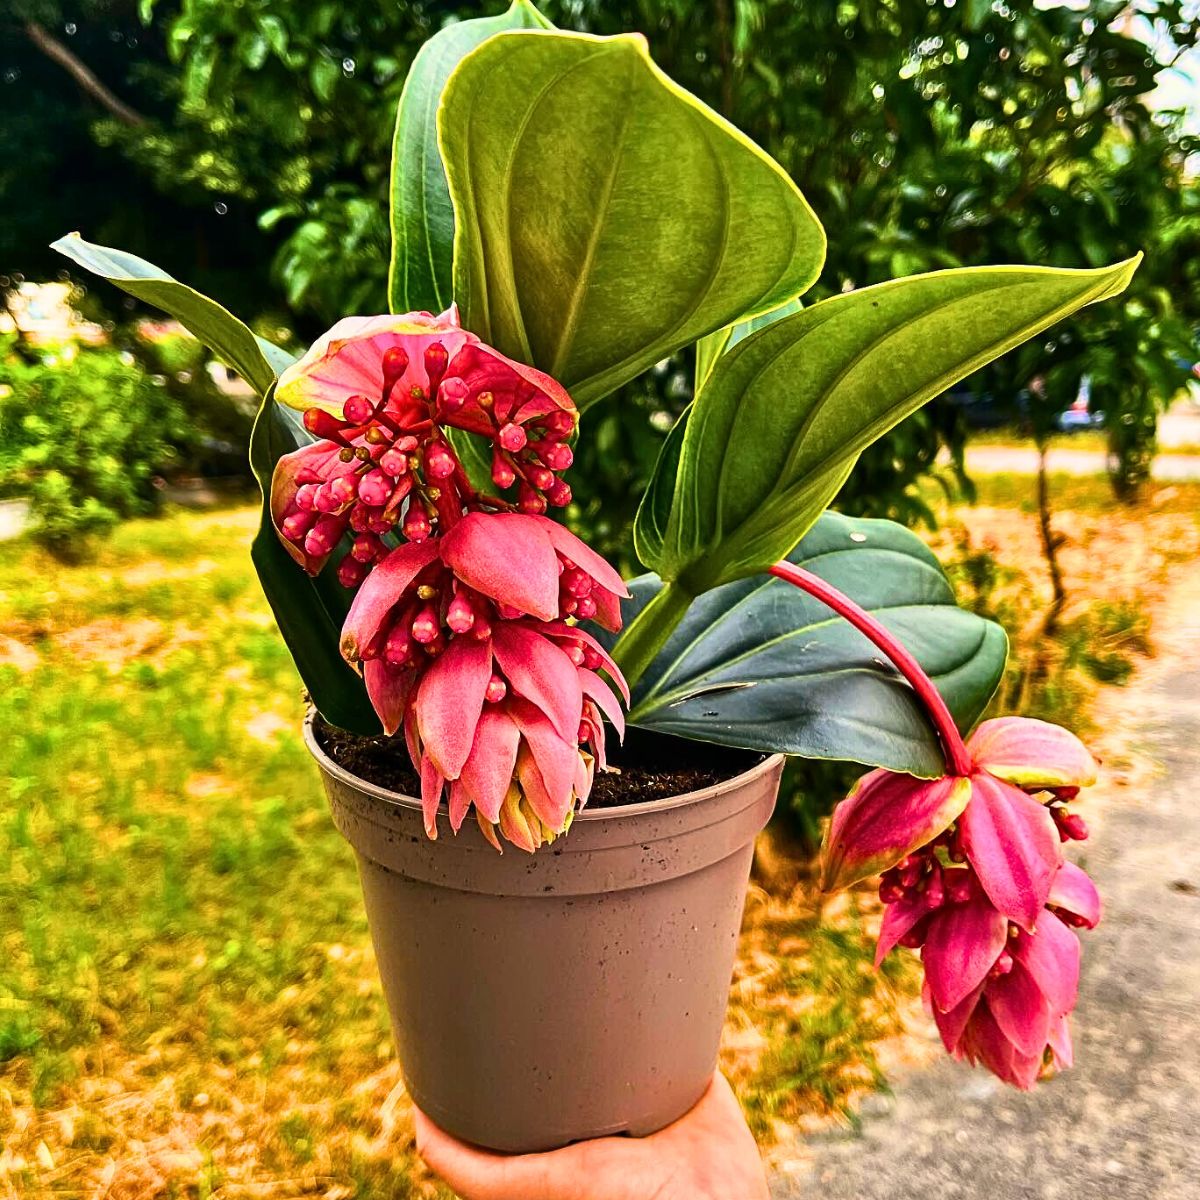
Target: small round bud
{"x": 436, "y": 358}
{"x": 425, "y": 625}
{"x": 395, "y": 363}
{"x": 358, "y": 410}
{"x": 351, "y": 572}
{"x": 393, "y": 462}
{"x": 460, "y": 615}
{"x": 439, "y": 461}
{"x": 496, "y": 690}
{"x": 558, "y": 494}
{"x": 375, "y": 488}
{"x": 503, "y": 475}
{"x": 453, "y": 393}
{"x": 511, "y": 438}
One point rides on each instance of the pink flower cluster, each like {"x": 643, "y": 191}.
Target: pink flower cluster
{"x": 463, "y": 620}
{"x": 974, "y": 876}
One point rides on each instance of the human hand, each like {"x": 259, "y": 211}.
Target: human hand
{"x": 708, "y": 1154}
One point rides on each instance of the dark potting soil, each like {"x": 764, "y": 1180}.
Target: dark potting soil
{"x": 650, "y": 766}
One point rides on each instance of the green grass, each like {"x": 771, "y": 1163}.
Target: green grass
{"x": 175, "y": 906}
{"x": 187, "y": 995}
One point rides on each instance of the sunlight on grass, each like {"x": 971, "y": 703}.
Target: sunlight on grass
{"x": 188, "y": 1000}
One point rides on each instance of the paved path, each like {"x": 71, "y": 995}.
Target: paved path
{"x": 1125, "y": 1123}
{"x": 1023, "y": 460}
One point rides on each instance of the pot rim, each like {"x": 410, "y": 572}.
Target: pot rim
{"x": 327, "y": 764}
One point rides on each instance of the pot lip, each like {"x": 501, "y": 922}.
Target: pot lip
{"x": 770, "y": 763}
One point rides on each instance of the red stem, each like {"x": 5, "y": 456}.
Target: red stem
{"x": 958, "y": 761}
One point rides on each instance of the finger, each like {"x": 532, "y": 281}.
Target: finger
{"x": 478, "y": 1174}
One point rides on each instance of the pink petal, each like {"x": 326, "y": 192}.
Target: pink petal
{"x": 984, "y": 1041}
{"x": 1074, "y": 892}
{"x": 509, "y": 558}
{"x": 576, "y": 634}
{"x": 898, "y": 919}
{"x": 596, "y": 689}
{"x": 460, "y": 802}
{"x": 547, "y": 808}
{"x": 1032, "y": 754}
{"x": 379, "y": 593}
{"x": 1051, "y": 955}
{"x": 1020, "y": 1009}
{"x": 431, "y": 795}
{"x": 1060, "y": 1043}
{"x": 388, "y": 690}
{"x": 952, "y": 1024}
{"x": 542, "y": 673}
{"x": 885, "y": 817}
{"x": 489, "y": 768}
{"x": 449, "y": 701}
{"x": 583, "y": 556}
{"x": 1013, "y": 845}
{"x": 557, "y": 759}
{"x": 962, "y": 946}
{"x": 347, "y": 360}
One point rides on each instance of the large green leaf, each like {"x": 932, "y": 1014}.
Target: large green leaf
{"x": 761, "y": 664}
{"x": 605, "y": 217}
{"x": 309, "y": 612}
{"x": 784, "y": 415}
{"x": 215, "y": 326}
{"x": 713, "y": 345}
{"x": 422, "y": 216}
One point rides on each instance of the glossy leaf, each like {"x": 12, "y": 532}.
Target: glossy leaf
{"x": 760, "y": 664}
{"x": 422, "y": 217}
{"x": 215, "y": 326}
{"x": 605, "y": 217}
{"x": 785, "y": 414}
{"x": 309, "y": 612}
{"x": 711, "y": 347}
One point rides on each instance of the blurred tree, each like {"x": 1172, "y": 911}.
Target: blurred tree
{"x": 925, "y": 135}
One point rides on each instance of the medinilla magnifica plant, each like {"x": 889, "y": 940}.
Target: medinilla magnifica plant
{"x": 575, "y": 217}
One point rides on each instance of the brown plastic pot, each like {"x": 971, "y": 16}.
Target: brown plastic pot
{"x": 542, "y": 999}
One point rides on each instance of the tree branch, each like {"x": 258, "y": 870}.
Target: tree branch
{"x": 54, "y": 50}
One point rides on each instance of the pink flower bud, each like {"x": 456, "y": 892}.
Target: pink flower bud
{"x": 558, "y": 494}
{"x": 324, "y": 425}
{"x": 959, "y": 886}
{"x": 367, "y": 547}
{"x": 497, "y": 689}
{"x": 358, "y": 410}
{"x": 425, "y": 625}
{"x": 452, "y": 395}
{"x": 576, "y": 654}
{"x": 439, "y": 461}
{"x": 560, "y": 424}
{"x": 585, "y": 608}
{"x": 398, "y": 649}
{"x": 528, "y": 501}
{"x": 556, "y": 455}
{"x": 342, "y": 489}
{"x": 460, "y": 616}
{"x": 394, "y": 363}
{"x": 416, "y": 526}
{"x": 577, "y": 582}
{"x": 436, "y": 358}
{"x": 360, "y": 515}
{"x": 1003, "y": 965}
{"x": 297, "y": 525}
{"x": 591, "y": 659}
{"x": 512, "y": 438}
{"x": 380, "y": 523}
{"x": 541, "y": 477}
{"x": 393, "y": 462}
{"x": 324, "y": 536}
{"x": 1072, "y": 827}
{"x": 305, "y": 498}
{"x": 503, "y": 476}
{"x": 375, "y": 488}
{"x": 351, "y": 572}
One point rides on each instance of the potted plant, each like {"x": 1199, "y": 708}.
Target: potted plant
{"x": 554, "y": 913}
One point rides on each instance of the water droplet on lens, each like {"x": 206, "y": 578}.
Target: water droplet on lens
{"x": 220, "y": 208}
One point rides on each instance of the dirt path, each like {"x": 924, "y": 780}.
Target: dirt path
{"x": 1122, "y": 1125}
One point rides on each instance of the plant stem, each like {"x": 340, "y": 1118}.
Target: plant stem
{"x": 1050, "y": 543}
{"x": 647, "y": 633}
{"x": 958, "y": 761}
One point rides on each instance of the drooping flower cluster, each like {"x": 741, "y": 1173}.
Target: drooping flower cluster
{"x": 380, "y": 393}
{"x": 463, "y": 621}
{"x": 974, "y": 876}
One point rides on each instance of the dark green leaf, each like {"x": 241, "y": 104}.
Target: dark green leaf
{"x": 309, "y": 612}
{"x": 604, "y": 216}
{"x": 760, "y": 664}
{"x": 422, "y": 215}
{"x": 215, "y": 326}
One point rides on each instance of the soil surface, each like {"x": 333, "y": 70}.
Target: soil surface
{"x": 1122, "y": 1124}
{"x": 647, "y": 767}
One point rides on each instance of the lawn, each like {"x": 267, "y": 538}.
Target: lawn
{"x": 188, "y": 1002}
